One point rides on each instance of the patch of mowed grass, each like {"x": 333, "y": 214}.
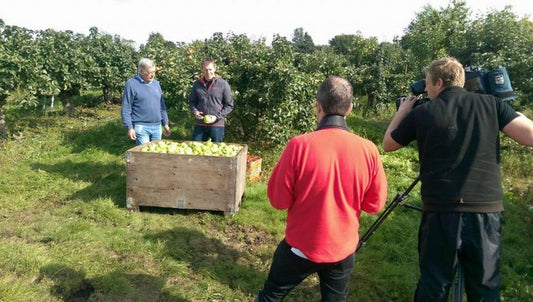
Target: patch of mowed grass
{"x": 257, "y": 211}
{"x": 65, "y": 233}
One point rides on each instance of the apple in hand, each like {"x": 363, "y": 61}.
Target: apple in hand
{"x": 209, "y": 119}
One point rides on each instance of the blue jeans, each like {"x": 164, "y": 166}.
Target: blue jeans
{"x": 202, "y": 133}
{"x": 288, "y": 270}
{"x": 147, "y": 132}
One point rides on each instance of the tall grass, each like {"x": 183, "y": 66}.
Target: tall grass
{"x": 65, "y": 234}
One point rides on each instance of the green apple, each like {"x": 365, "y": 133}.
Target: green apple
{"x": 207, "y": 148}
{"x": 209, "y": 119}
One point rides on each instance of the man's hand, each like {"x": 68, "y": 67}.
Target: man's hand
{"x": 167, "y": 130}
{"x": 407, "y": 103}
{"x": 198, "y": 115}
{"x": 131, "y": 134}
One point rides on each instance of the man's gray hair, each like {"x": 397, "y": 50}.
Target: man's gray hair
{"x": 144, "y": 64}
{"x": 335, "y": 95}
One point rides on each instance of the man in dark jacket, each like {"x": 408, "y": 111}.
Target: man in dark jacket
{"x": 457, "y": 133}
{"x": 210, "y": 102}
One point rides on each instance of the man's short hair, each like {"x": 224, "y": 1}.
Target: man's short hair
{"x": 448, "y": 69}
{"x": 208, "y": 60}
{"x": 335, "y": 95}
{"x": 144, "y": 64}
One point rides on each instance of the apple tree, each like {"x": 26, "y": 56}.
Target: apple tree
{"x": 436, "y": 33}
{"x": 273, "y": 99}
{"x": 177, "y": 68}
{"x": 501, "y": 38}
{"x": 22, "y": 79}
{"x": 66, "y": 63}
{"x": 379, "y": 72}
{"x": 112, "y": 62}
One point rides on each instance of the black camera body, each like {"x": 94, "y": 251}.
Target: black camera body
{"x": 417, "y": 88}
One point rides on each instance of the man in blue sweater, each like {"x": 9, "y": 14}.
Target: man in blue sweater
{"x": 143, "y": 107}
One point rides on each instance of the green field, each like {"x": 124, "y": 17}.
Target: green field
{"x": 65, "y": 234}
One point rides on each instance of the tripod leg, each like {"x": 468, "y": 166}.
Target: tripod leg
{"x": 458, "y": 285}
{"x": 398, "y": 199}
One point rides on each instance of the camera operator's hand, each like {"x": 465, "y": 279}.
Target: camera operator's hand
{"x": 407, "y": 103}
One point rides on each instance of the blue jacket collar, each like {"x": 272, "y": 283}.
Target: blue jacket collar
{"x": 138, "y": 77}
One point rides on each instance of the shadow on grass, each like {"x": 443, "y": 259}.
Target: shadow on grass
{"x": 111, "y": 136}
{"x": 72, "y": 285}
{"x": 212, "y": 259}
{"x": 106, "y": 180}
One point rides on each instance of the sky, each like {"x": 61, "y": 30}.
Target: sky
{"x": 187, "y": 21}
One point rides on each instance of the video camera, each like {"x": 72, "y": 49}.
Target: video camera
{"x": 417, "y": 88}
{"x": 479, "y": 80}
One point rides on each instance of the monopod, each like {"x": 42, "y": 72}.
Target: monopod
{"x": 458, "y": 284}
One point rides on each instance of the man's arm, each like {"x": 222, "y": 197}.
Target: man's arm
{"x": 376, "y": 196}
{"x": 520, "y": 129}
{"x": 125, "y": 110}
{"x": 280, "y": 189}
{"x": 164, "y": 113}
{"x": 227, "y": 102}
{"x": 193, "y": 101}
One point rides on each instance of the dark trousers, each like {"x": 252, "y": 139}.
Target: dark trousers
{"x": 201, "y": 133}
{"x": 448, "y": 239}
{"x": 288, "y": 270}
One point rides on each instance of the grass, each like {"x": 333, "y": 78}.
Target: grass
{"x": 65, "y": 234}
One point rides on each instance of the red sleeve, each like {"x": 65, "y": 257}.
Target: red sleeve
{"x": 376, "y": 196}
{"x": 280, "y": 189}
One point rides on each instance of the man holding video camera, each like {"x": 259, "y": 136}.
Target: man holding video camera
{"x": 457, "y": 134}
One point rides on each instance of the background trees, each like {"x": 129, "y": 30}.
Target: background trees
{"x": 111, "y": 61}
{"x": 273, "y": 85}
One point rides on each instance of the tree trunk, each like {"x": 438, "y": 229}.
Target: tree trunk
{"x": 3, "y": 125}
{"x": 66, "y": 99}
{"x": 108, "y": 95}
{"x": 370, "y": 105}
{"x": 68, "y": 106}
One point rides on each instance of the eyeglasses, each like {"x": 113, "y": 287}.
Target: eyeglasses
{"x": 148, "y": 72}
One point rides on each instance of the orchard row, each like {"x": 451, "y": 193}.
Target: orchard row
{"x": 274, "y": 86}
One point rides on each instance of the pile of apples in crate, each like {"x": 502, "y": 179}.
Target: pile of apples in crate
{"x": 193, "y": 148}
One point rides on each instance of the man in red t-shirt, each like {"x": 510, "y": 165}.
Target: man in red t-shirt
{"x": 324, "y": 179}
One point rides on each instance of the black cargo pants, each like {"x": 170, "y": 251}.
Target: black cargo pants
{"x": 449, "y": 238}
{"x": 288, "y": 270}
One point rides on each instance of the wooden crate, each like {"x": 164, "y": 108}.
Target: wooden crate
{"x": 253, "y": 168}
{"x": 185, "y": 181}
